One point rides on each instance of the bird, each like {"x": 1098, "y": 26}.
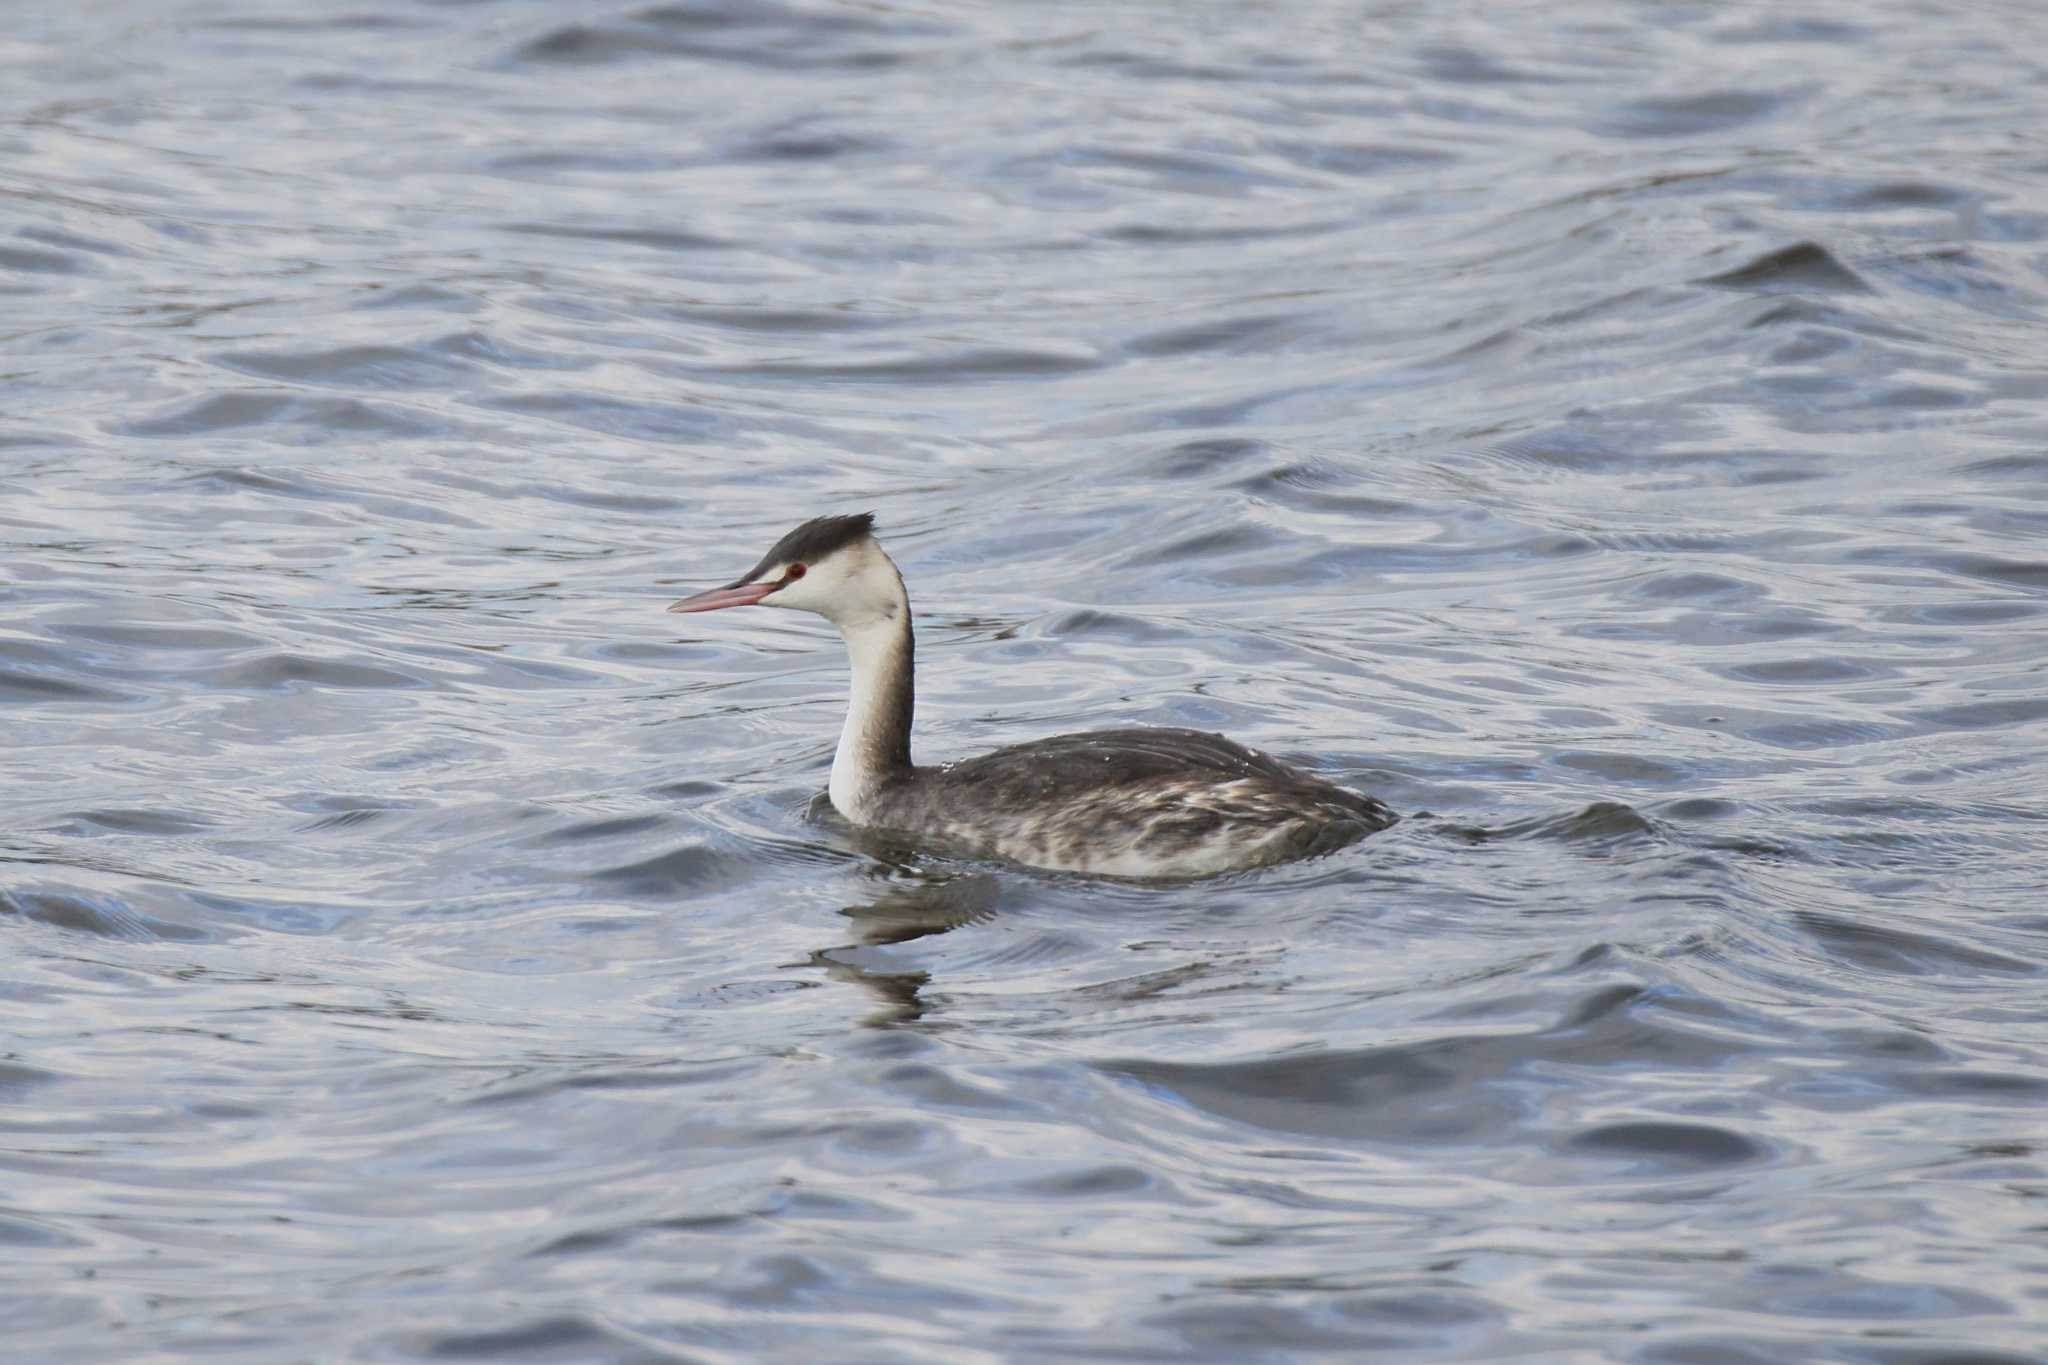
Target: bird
{"x": 1141, "y": 802}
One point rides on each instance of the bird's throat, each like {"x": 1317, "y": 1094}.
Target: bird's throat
{"x": 874, "y": 746}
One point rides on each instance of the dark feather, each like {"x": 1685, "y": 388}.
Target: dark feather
{"x": 813, "y": 540}
{"x": 1060, "y": 769}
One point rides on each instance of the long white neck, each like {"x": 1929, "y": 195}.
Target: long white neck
{"x": 874, "y": 745}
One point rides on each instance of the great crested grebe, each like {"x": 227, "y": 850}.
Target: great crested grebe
{"x": 1119, "y": 803}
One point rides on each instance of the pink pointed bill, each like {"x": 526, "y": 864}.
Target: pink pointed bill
{"x": 733, "y": 595}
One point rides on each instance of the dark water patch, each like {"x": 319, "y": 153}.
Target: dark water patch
{"x": 802, "y": 148}
{"x": 1979, "y": 1086}
{"x": 969, "y": 362}
{"x": 2019, "y": 573}
{"x": 2029, "y": 466}
{"x": 598, "y": 1240}
{"x": 1804, "y": 672}
{"x": 613, "y": 827}
{"x": 341, "y": 820}
{"x": 1919, "y": 811}
{"x": 1820, "y": 320}
{"x": 69, "y": 240}
{"x": 1118, "y": 1181}
{"x": 694, "y": 870}
{"x": 580, "y": 43}
{"x": 18, "y": 1080}
{"x": 1699, "y": 808}
{"x": 30, "y": 260}
{"x": 282, "y": 481}
{"x": 100, "y": 916}
{"x": 1181, "y": 233}
{"x": 1433, "y": 1094}
{"x": 284, "y": 671}
{"x": 1751, "y": 542}
{"x": 1802, "y": 268}
{"x": 1984, "y": 715}
{"x": 1633, "y": 769}
{"x": 1228, "y": 336}
{"x": 1461, "y": 1089}
{"x": 1109, "y": 625}
{"x": 780, "y": 1284}
{"x": 33, "y": 1237}
{"x": 1716, "y": 629}
{"x": 1960, "y": 274}
{"x": 554, "y": 1079}
{"x": 1975, "y": 613}
{"x": 283, "y": 915}
{"x": 1667, "y": 1147}
{"x": 801, "y": 22}
{"x": 655, "y": 239}
{"x": 439, "y": 298}
{"x": 153, "y": 636}
{"x": 1202, "y": 458}
{"x": 1814, "y": 732}
{"x": 1788, "y": 1289}
{"x": 643, "y": 503}
{"x": 564, "y": 1337}
{"x": 1222, "y": 543}
{"x": 1922, "y": 396}
{"x": 490, "y": 349}
{"x": 1793, "y": 29}
{"x": 766, "y": 36}
{"x": 313, "y": 420}
{"x": 1314, "y": 486}
{"x": 354, "y": 367}
{"x": 1153, "y": 66}
{"x": 20, "y": 687}
{"x": 278, "y": 23}
{"x": 1463, "y": 64}
{"x": 1420, "y": 1309}
{"x": 1872, "y": 945}
{"x": 1573, "y": 447}
{"x": 1602, "y": 825}
{"x": 1908, "y": 194}
{"x": 774, "y": 320}
{"x": 1700, "y": 115}
{"x": 325, "y": 803}
{"x": 1367, "y": 160}
{"x": 1246, "y": 1331}
{"x": 1694, "y": 585}
{"x": 1756, "y": 849}
{"x": 121, "y": 821}
{"x": 689, "y": 789}
{"x": 588, "y": 159}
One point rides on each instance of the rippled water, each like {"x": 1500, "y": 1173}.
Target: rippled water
{"x": 1611, "y": 433}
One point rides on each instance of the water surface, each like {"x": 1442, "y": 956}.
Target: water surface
{"x": 1611, "y": 433}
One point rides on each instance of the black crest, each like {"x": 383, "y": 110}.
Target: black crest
{"x": 813, "y": 540}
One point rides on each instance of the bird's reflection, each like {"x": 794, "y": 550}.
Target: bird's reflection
{"x": 917, "y": 903}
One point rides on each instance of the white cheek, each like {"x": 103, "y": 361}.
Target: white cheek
{"x": 806, "y": 594}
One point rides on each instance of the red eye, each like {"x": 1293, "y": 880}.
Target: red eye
{"x": 794, "y": 571}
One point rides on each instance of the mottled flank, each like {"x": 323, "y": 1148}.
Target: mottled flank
{"x": 1129, "y": 803}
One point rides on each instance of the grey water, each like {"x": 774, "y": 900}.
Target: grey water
{"x": 1615, "y": 434}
